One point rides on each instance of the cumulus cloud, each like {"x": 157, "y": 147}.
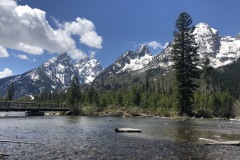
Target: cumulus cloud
{"x": 27, "y": 29}
{"x": 85, "y": 30}
{"x": 77, "y": 54}
{"x": 156, "y": 45}
{"x": 6, "y": 72}
{"x": 3, "y": 52}
{"x": 22, "y": 56}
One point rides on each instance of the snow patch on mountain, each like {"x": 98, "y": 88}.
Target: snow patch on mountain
{"x": 133, "y": 61}
{"x": 220, "y": 50}
{"x": 207, "y": 38}
{"x": 137, "y": 64}
{"x": 89, "y": 69}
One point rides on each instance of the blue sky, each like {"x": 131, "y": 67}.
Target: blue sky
{"x": 103, "y": 28}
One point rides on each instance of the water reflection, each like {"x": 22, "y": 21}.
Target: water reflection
{"x": 186, "y": 136}
{"x": 185, "y": 131}
{"x": 72, "y": 119}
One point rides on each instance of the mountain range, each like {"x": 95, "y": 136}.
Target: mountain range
{"x": 56, "y": 73}
{"x": 52, "y": 76}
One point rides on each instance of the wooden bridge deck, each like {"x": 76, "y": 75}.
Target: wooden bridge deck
{"x": 32, "y": 107}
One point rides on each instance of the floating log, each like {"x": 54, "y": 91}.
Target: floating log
{"x": 214, "y": 142}
{"x": 128, "y": 130}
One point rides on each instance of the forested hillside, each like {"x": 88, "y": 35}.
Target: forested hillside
{"x": 227, "y": 79}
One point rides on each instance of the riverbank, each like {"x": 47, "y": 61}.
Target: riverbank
{"x": 127, "y": 112}
{"x": 131, "y": 112}
{"x": 137, "y": 112}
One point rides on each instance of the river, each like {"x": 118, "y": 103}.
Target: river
{"x": 64, "y": 137}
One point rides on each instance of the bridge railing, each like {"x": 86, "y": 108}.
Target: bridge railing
{"x": 8, "y": 105}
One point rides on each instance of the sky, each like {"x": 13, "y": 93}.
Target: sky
{"x": 33, "y": 31}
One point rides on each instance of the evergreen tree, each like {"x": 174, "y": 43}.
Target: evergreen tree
{"x": 92, "y": 95}
{"x": 147, "y": 84}
{"x": 10, "y": 92}
{"x": 207, "y": 79}
{"x": 74, "y": 93}
{"x": 184, "y": 54}
{"x": 136, "y": 99}
{"x": 119, "y": 99}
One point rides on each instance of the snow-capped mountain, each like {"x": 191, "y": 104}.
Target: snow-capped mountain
{"x": 220, "y": 50}
{"x": 129, "y": 62}
{"x": 88, "y": 69}
{"x": 133, "y": 61}
{"x": 54, "y": 75}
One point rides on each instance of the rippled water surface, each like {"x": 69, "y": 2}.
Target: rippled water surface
{"x": 60, "y": 137}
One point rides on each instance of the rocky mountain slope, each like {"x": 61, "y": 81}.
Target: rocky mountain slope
{"x": 54, "y": 75}
{"x": 129, "y": 62}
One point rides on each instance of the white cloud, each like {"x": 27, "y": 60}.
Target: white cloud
{"x": 3, "y": 52}
{"x": 92, "y": 39}
{"x": 5, "y": 73}
{"x": 21, "y": 56}
{"x": 77, "y": 54}
{"x": 156, "y": 45}
{"x": 85, "y": 30}
{"x": 26, "y": 29}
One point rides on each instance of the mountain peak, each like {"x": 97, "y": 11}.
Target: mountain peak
{"x": 64, "y": 57}
{"x": 129, "y": 62}
{"x": 204, "y": 28}
{"x": 220, "y": 50}
{"x": 143, "y": 47}
{"x": 143, "y": 50}
{"x": 207, "y": 38}
{"x": 202, "y": 25}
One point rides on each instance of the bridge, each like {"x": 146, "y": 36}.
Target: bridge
{"x": 30, "y": 107}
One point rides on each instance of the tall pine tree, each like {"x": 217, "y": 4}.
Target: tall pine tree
{"x": 74, "y": 94}
{"x": 207, "y": 80}
{"x": 10, "y": 92}
{"x": 185, "y": 57}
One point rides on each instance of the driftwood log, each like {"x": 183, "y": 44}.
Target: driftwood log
{"x": 214, "y": 142}
{"x": 128, "y": 130}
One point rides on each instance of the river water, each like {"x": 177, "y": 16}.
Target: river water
{"x": 64, "y": 137}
